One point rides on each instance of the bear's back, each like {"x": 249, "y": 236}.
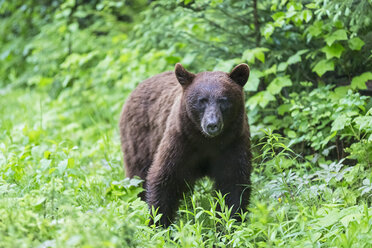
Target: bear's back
{"x": 143, "y": 120}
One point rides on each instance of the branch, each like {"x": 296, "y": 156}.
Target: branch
{"x": 256, "y": 23}
{"x": 234, "y": 16}
{"x": 224, "y": 29}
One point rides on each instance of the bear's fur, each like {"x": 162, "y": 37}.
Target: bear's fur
{"x": 178, "y": 126}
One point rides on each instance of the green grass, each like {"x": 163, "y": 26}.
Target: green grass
{"x": 62, "y": 185}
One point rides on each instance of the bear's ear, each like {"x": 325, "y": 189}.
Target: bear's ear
{"x": 184, "y": 77}
{"x": 240, "y": 74}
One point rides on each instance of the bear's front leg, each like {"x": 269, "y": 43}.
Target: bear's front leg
{"x": 231, "y": 172}
{"x": 167, "y": 177}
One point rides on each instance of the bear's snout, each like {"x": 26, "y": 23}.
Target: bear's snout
{"x": 212, "y": 123}
{"x": 212, "y": 128}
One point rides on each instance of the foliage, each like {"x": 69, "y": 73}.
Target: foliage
{"x": 66, "y": 68}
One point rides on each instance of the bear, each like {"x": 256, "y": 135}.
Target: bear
{"x": 177, "y": 127}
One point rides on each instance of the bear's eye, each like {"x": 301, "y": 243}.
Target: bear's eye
{"x": 202, "y": 101}
{"x": 224, "y": 103}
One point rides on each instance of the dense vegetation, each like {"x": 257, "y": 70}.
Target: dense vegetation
{"x": 66, "y": 68}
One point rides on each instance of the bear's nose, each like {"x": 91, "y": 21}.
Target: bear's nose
{"x": 212, "y": 128}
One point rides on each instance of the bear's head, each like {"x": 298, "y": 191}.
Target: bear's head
{"x": 213, "y": 100}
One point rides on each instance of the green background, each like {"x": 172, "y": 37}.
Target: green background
{"x": 66, "y": 68}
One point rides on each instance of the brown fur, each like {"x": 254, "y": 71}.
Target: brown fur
{"x": 164, "y": 144}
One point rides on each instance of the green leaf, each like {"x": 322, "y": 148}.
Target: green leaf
{"x": 315, "y": 29}
{"x": 38, "y": 202}
{"x": 282, "y": 66}
{"x": 359, "y": 82}
{"x": 278, "y": 15}
{"x": 315, "y": 236}
{"x": 326, "y": 140}
{"x": 278, "y": 83}
{"x": 337, "y": 35}
{"x": 259, "y": 53}
{"x": 250, "y": 54}
{"x": 311, "y": 6}
{"x": 260, "y": 56}
{"x": 349, "y": 218}
{"x": 45, "y": 81}
{"x": 333, "y": 51}
{"x": 329, "y": 219}
{"x": 172, "y": 59}
{"x": 253, "y": 81}
{"x": 135, "y": 182}
{"x": 306, "y": 83}
{"x": 291, "y": 134}
{"x": 306, "y": 15}
{"x": 296, "y": 57}
{"x": 363, "y": 122}
{"x": 214, "y": 3}
{"x": 70, "y": 163}
{"x": 47, "y": 154}
{"x": 268, "y": 30}
{"x": 356, "y": 44}
{"x": 284, "y": 108}
{"x": 271, "y": 70}
{"x": 323, "y": 66}
{"x": 340, "y": 123}
{"x": 341, "y": 91}
{"x": 261, "y": 98}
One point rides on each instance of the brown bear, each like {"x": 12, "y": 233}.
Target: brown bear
{"x": 178, "y": 126}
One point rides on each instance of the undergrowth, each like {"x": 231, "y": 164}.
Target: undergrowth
{"x": 62, "y": 185}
